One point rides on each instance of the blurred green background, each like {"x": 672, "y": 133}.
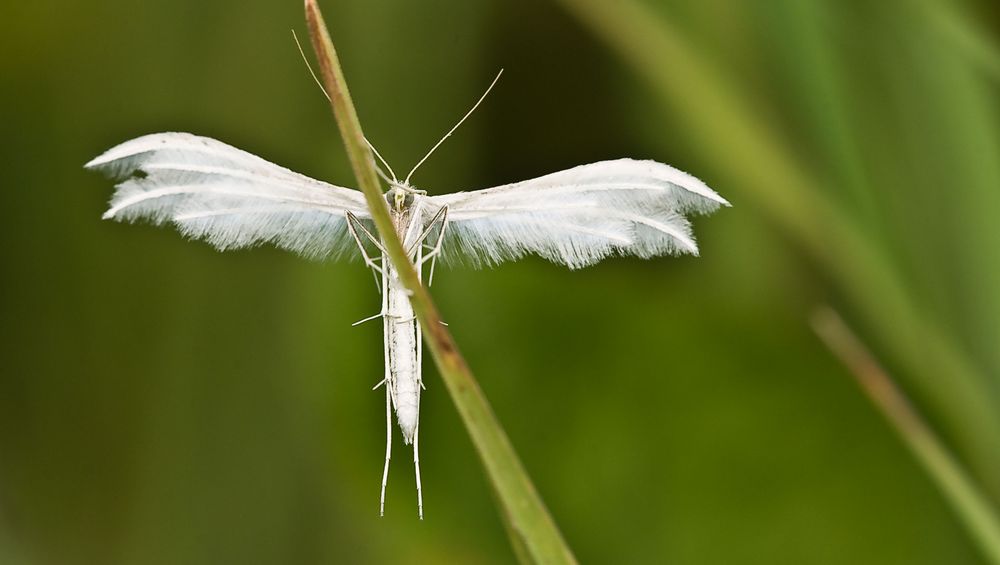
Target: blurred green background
{"x": 163, "y": 403}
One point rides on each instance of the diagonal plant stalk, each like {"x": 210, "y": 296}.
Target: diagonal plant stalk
{"x": 968, "y": 501}
{"x": 534, "y": 535}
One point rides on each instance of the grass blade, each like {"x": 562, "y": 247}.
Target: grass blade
{"x": 969, "y": 502}
{"x": 955, "y": 26}
{"x": 533, "y": 533}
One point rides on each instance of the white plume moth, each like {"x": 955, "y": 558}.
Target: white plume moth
{"x": 576, "y": 217}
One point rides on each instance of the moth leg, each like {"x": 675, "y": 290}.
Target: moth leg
{"x": 353, "y": 225}
{"x": 419, "y": 331}
{"x": 442, "y": 213}
{"x": 416, "y": 463}
{"x": 388, "y": 448}
{"x": 389, "y": 391}
{"x": 435, "y": 250}
{"x": 420, "y": 383}
{"x": 354, "y": 222}
{"x": 369, "y": 318}
{"x": 416, "y": 431}
{"x": 441, "y": 219}
{"x": 387, "y": 330}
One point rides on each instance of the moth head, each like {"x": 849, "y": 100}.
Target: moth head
{"x": 400, "y": 197}
{"x": 396, "y": 198}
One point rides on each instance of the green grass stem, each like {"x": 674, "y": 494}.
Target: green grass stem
{"x": 533, "y": 533}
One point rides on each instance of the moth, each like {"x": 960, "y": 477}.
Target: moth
{"x": 233, "y": 199}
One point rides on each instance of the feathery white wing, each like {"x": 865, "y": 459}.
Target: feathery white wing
{"x": 226, "y": 196}
{"x": 579, "y": 216}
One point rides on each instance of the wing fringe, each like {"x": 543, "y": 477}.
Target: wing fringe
{"x": 225, "y": 196}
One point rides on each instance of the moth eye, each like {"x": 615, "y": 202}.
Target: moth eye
{"x": 408, "y": 200}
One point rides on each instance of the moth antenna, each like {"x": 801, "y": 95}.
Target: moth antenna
{"x": 383, "y": 176}
{"x": 327, "y": 95}
{"x": 308, "y": 66}
{"x": 452, "y": 130}
{"x": 384, "y": 162}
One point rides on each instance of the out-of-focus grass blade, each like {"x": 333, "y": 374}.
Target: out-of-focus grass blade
{"x": 925, "y": 128}
{"x": 953, "y": 174}
{"x": 756, "y": 159}
{"x": 971, "y": 504}
{"x": 961, "y": 30}
{"x": 806, "y": 53}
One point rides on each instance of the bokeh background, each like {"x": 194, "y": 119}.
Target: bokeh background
{"x": 163, "y": 403}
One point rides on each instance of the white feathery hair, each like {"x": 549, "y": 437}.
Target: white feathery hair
{"x": 579, "y": 216}
{"x": 575, "y": 217}
{"x": 229, "y": 197}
